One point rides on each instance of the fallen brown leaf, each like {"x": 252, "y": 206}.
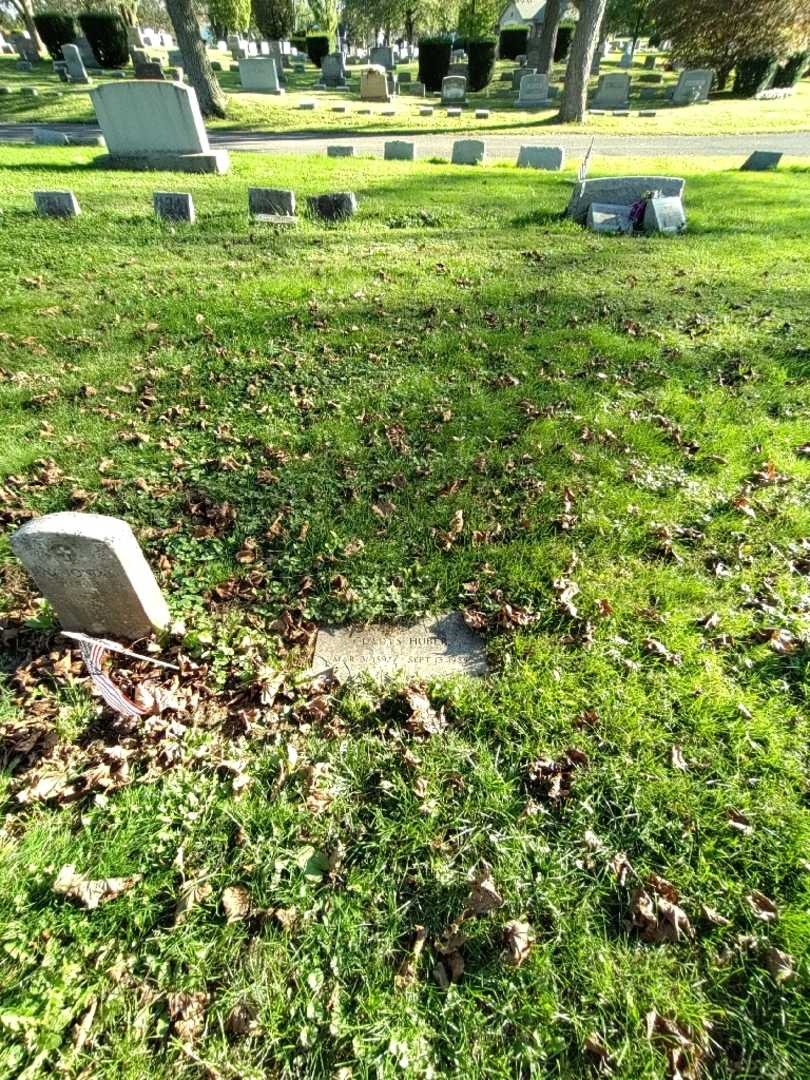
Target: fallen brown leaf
{"x": 518, "y": 938}
{"x": 762, "y": 907}
{"x": 91, "y": 893}
{"x": 779, "y": 964}
{"x": 236, "y": 902}
{"x": 484, "y": 897}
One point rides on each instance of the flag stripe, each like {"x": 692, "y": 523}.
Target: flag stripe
{"x": 93, "y": 654}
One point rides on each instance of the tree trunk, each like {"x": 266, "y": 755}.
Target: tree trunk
{"x": 548, "y": 37}
{"x": 195, "y": 59}
{"x": 26, "y": 12}
{"x": 596, "y": 63}
{"x": 575, "y": 92}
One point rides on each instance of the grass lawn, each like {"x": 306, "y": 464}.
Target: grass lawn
{"x": 725, "y": 115}
{"x": 455, "y": 400}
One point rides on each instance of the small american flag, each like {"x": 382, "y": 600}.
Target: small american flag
{"x": 93, "y": 651}
{"x": 586, "y": 163}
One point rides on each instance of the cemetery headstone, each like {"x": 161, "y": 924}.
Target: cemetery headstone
{"x": 626, "y": 60}
{"x": 29, "y": 91}
{"x": 521, "y": 73}
{"x": 308, "y": 106}
{"x": 649, "y": 61}
{"x": 61, "y": 204}
{"x": 259, "y": 74}
{"x": 405, "y": 77}
{"x": 47, "y": 137}
{"x": 417, "y": 89}
{"x": 92, "y": 571}
{"x": 433, "y": 647}
{"x": 533, "y": 92}
{"x": 25, "y": 47}
{"x": 426, "y": 110}
{"x": 761, "y": 161}
{"x": 664, "y": 215}
{"x": 459, "y": 71}
{"x": 339, "y": 151}
{"x": 24, "y": 65}
{"x": 174, "y": 206}
{"x": 333, "y": 70}
{"x": 619, "y": 190}
{"x": 454, "y": 90}
{"x": 613, "y": 91}
{"x": 155, "y": 125}
{"x": 333, "y": 207}
{"x": 482, "y": 114}
{"x": 373, "y": 84}
{"x": 551, "y": 158}
{"x": 149, "y": 70}
{"x": 693, "y": 87}
{"x": 399, "y": 150}
{"x": 456, "y": 112}
{"x": 383, "y": 56}
{"x": 469, "y": 152}
{"x": 75, "y": 66}
{"x": 271, "y": 204}
{"x": 609, "y": 218}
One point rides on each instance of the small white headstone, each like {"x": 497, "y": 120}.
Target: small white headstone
{"x": 469, "y": 152}
{"x": 92, "y": 571}
{"x": 454, "y": 89}
{"x": 664, "y": 215}
{"x": 541, "y": 157}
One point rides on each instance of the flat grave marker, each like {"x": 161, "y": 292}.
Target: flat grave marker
{"x": 60, "y": 204}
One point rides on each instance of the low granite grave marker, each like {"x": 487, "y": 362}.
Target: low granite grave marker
{"x": 61, "y": 204}
{"x": 274, "y": 205}
{"x": 434, "y": 647}
{"x": 339, "y": 151}
{"x": 613, "y": 91}
{"x": 454, "y": 90}
{"x": 259, "y": 75}
{"x": 399, "y": 150}
{"x": 693, "y": 87}
{"x": 469, "y": 152}
{"x": 333, "y": 207}
{"x": 551, "y": 158}
{"x": 174, "y": 206}
{"x": 761, "y": 161}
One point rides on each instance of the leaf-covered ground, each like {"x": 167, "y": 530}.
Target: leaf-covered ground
{"x": 266, "y": 112}
{"x": 594, "y": 860}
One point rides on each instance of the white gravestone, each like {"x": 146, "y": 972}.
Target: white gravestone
{"x": 664, "y": 215}
{"x": 454, "y": 90}
{"x": 399, "y": 150}
{"x": 259, "y": 74}
{"x": 92, "y": 571}
{"x": 541, "y": 157}
{"x": 374, "y": 84}
{"x": 613, "y": 91}
{"x": 154, "y": 125}
{"x": 533, "y": 92}
{"x": 469, "y": 152}
{"x": 75, "y": 65}
{"x": 435, "y": 647}
{"x": 693, "y": 87}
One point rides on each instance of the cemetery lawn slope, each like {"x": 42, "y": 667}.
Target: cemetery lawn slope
{"x": 725, "y": 115}
{"x": 596, "y": 446}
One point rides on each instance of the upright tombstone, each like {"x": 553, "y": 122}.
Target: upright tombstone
{"x": 340, "y": 150}
{"x": 276, "y": 52}
{"x": 383, "y": 56}
{"x": 75, "y": 66}
{"x": 609, "y": 218}
{"x": 533, "y": 56}
{"x": 21, "y": 40}
{"x": 693, "y": 87}
{"x": 761, "y": 161}
{"x": 454, "y": 90}
{"x": 61, "y": 204}
{"x": 374, "y": 84}
{"x": 154, "y": 125}
{"x": 275, "y": 205}
{"x": 87, "y": 54}
{"x": 333, "y": 71}
{"x": 259, "y": 74}
{"x": 399, "y": 150}
{"x": 174, "y": 206}
{"x": 519, "y": 73}
{"x": 149, "y": 70}
{"x": 92, "y": 571}
{"x": 551, "y": 158}
{"x": 469, "y": 152}
{"x": 613, "y": 91}
{"x": 533, "y": 92}
{"x": 626, "y": 60}
{"x": 333, "y": 207}
{"x": 460, "y": 70}
{"x": 664, "y": 215}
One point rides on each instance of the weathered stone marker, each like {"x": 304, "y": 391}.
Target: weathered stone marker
{"x": 274, "y": 205}
{"x": 609, "y": 218}
{"x": 469, "y": 152}
{"x": 338, "y": 150}
{"x": 260, "y": 75}
{"x": 613, "y": 91}
{"x": 92, "y": 571}
{"x": 761, "y": 161}
{"x": 693, "y": 87}
{"x": 454, "y": 90}
{"x": 435, "y": 647}
{"x": 541, "y": 157}
{"x": 374, "y": 84}
{"x": 399, "y": 150}
{"x": 619, "y": 190}
{"x": 533, "y": 92}
{"x": 174, "y": 206}
{"x": 62, "y": 204}
{"x": 75, "y": 65}
{"x": 333, "y": 207}
{"x": 664, "y": 215}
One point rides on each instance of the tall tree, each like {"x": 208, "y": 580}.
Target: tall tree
{"x": 233, "y": 15}
{"x": 548, "y": 35}
{"x": 477, "y": 18}
{"x": 274, "y": 18}
{"x": 25, "y": 10}
{"x": 633, "y": 17}
{"x": 195, "y": 59}
{"x": 574, "y": 103}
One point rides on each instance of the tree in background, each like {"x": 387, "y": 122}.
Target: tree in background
{"x": 25, "y": 10}
{"x": 274, "y": 18}
{"x": 548, "y": 35}
{"x": 478, "y": 18}
{"x": 227, "y": 16}
{"x": 631, "y": 17}
{"x": 574, "y": 103}
{"x": 413, "y": 18}
{"x": 325, "y": 15}
{"x": 722, "y": 33}
{"x": 196, "y": 64}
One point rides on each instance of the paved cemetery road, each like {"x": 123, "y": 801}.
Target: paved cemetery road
{"x": 795, "y": 144}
